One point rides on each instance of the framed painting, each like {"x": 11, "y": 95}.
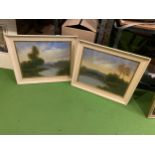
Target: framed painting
{"x": 39, "y": 59}
{"x": 7, "y": 27}
{"x": 152, "y": 109}
{"x": 107, "y": 72}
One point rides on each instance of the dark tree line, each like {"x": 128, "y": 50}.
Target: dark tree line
{"x": 32, "y": 66}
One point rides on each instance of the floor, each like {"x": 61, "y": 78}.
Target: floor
{"x": 58, "y": 108}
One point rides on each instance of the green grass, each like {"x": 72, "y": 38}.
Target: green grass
{"x": 58, "y": 108}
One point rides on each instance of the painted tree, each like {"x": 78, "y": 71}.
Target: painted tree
{"x": 34, "y": 57}
{"x": 127, "y": 71}
{"x": 124, "y": 70}
{"x": 33, "y": 66}
{"x": 34, "y": 53}
{"x": 121, "y": 70}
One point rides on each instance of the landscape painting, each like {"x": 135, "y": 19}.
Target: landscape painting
{"x": 44, "y": 58}
{"x": 106, "y": 71}
{"x": 3, "y": 47}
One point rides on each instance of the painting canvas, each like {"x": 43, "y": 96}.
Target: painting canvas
{"x": 3, "y": 47}
{"x": 38, "y": 59}
{"x": 44, "y": 59}
{"x": 108, "y": 72}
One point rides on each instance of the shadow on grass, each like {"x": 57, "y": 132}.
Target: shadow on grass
{"x": 144, "y": 100}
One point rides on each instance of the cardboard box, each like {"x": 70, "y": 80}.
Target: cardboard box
{"x": 85, "y": 29}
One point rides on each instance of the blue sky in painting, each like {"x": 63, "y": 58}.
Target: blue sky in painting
{"x": 104, "y": 58}
{"x": 42, "y": 45}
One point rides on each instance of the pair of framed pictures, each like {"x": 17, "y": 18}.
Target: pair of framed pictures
{"x": 101, "y": 70}
{"x": 7, "y": 27}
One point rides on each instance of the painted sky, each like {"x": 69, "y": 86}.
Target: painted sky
{"x": 49, "y": 51}
{"x": 106, "y": 63}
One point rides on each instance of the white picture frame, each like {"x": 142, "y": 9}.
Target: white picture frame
{"x": 96, "y": 71}
{"x": 32, "y": 75}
